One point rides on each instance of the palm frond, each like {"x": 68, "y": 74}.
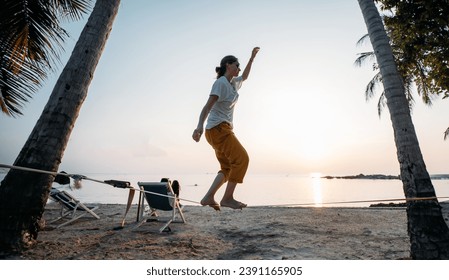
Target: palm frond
{"x": 73, "y": 9}
{"x": 408, "y": 90}
{"x": 31, "y": 41}
{"x": 446, "y": 133}
{"x": 372, "y": 86}
{"x": 364, "y": 57}
{"x": 16, "y": 89}
{"x": 381, "y": 103}
{"x": 423, "y": 89}
{"x": 362, "y": 40}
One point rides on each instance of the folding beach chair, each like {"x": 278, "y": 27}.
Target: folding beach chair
{"x": 70, "y": 207}
{"x": 160, "y": 197}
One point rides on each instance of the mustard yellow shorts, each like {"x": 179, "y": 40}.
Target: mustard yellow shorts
{"x": 231, "y": 155}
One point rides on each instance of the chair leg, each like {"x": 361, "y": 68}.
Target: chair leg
{"x": 72, "y": 219}
{"x": 139, "y": 223}
{"x": 91, "y": 211}
{"x": 165, "y": 226}
{"x": 169, "y": 221}
{"x": 62, "y": 214}
{"x": 179, "y": 209}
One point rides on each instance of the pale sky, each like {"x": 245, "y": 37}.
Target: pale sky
{"x": 302, "y": 110}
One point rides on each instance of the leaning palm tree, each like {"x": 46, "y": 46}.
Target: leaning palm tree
{"x": 23, "y": 195}
{"x": 31, "y": 38}
{"x": 419, "y": 48}
{"x": 428, "y": 232}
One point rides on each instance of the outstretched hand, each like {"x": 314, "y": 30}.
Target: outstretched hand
{"x": 254, "y": 52}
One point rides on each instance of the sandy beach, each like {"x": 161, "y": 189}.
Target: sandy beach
{"x": 254, "y": 233}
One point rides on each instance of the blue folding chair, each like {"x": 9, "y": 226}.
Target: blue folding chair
{"x": 70, "y": 207}
{"x": 160, "y": 197}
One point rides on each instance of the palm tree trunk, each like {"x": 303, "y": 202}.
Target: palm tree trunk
{"x": 428, "y": 232}
{"x": 23, "y": 195}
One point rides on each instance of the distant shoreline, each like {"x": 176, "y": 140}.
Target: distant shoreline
{"x": 383, "y": 177}
{"x": 363, "y": 176}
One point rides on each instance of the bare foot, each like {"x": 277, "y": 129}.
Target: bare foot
{"x": 234, "y": 204}
{"x": 210, "y": 202}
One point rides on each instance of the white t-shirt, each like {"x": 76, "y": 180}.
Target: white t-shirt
{"x": 223, "y": 109}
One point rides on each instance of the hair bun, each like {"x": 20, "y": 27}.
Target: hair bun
{"x": 217, "y": 69}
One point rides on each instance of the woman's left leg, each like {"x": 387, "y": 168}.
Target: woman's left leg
{"x": 228, "y": 197}
{"x": 208, "y": 199}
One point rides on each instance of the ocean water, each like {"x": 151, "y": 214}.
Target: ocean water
{"x": 259, "y": 190}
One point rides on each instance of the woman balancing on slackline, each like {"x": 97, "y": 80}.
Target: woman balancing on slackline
{"x": 219, "y": 110}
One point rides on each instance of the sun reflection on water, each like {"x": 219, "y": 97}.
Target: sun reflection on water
{"x": 317, "y": 191}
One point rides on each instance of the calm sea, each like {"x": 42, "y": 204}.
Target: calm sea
{"x": 260, "y": 190}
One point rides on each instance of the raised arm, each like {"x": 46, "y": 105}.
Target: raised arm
{"x": 250, "y": 62}
{"x": 203, "y": 115}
